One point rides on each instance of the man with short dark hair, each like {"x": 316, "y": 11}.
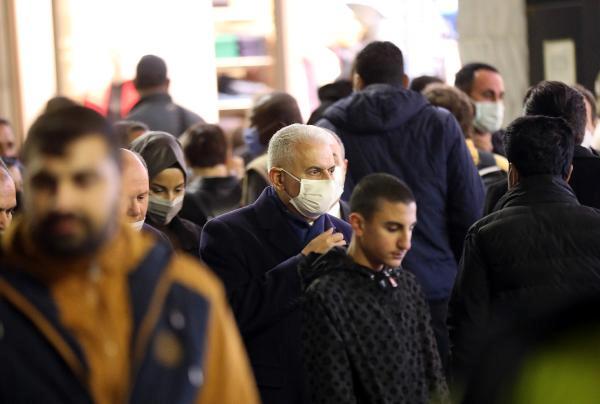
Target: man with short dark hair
{"x": 213, "y": 190}
{"x": 92, "y": 311}
{"x": 556, "y": 99}
{"x": 541, "y": 246}
{"x": 367, "y": 332}
{"x": 155, "y": 107}
{"x": 387, "y": 128}
{"x": 484, "y": 84}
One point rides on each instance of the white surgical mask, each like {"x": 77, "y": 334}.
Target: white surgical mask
{"x": 162, "y": 210}
{"x": 316, "y": 197}
{"x": 488, "y": 116}
{"x": 137, "y": 226}
{"x": 339, "y": 177}
{"x": 587, "y": 138}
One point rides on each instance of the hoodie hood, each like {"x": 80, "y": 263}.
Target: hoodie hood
{"x": 376, "y": 108}
{"x": 160, "y": 150}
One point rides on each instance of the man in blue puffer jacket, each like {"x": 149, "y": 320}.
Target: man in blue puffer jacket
{"x": 387, "y": 128}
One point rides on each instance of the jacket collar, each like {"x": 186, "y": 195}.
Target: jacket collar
{"x": 539, "y": 189}
{"x": 273, "y": 218}
{"x": 157, "y": 97}
{"x": 581, "y": 151}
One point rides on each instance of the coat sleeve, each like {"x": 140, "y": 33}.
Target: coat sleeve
{"x": 465, "y": 196}
{"x": 468, "y": 308}
{"x": 327, "y": 365}
{"x": 256, "y": 302}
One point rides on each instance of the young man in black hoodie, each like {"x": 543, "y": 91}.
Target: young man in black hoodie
{"x": 367, "y": 334}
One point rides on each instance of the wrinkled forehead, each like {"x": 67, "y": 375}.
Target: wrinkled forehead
{"x": 313, "y": 153}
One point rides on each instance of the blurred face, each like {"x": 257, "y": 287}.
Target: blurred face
{"x": 8, "y": 202}
{"x": 168, "y": 184}
{"x": 8, "y": 142}
{"x": 312, "y": 160}
{"x": 385, "y": 239}
{"x": 71, "y": 200}
{"x": 341, "y": 164}
{"x": 135, "y": 189}
{"x": 15, "y": 173}
{"x": 487, "y": 86}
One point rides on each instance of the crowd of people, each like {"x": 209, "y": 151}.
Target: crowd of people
{"x": 400, "y": 247}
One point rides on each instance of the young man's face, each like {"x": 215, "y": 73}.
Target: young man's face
{"x": 386, "y": 237}
{"x": 71, "y": 200}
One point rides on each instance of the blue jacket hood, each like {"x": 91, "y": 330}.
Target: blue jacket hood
{"x": 376, "y": 109}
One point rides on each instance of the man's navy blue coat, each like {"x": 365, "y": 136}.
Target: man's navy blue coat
{"x": 390, "y": 129}
{"x": 255, "y": 251}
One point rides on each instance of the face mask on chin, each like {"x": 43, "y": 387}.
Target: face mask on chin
{"x": 316, "y": 197}
{"x": 488, "y": 116}
{"x": 137, "y": 226}
{"x": 162, "y": 211}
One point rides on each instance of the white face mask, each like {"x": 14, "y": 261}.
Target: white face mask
{"x": 163, "y": 211}
{"x": 316, "y": 197}
{"x": 587, "y": 138}
{"x": 488, "y": 116}
{"x": 137, "y": 226}
{"x": 339, "y": 177}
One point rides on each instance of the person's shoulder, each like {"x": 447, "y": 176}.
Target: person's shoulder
{"x": 196, "y": 276}
{"x": 341, "y": 225}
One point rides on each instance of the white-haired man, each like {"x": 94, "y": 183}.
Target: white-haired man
{"x": 255, "y": 250}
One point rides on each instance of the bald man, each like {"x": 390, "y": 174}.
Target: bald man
{"x": 8, "y": 199}
{"x": 135, "y": 186}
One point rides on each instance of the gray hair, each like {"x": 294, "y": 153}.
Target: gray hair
{"x": 283, "y": 143}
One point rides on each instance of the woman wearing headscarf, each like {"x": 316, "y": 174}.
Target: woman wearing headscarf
{"x": 167, "y": 171}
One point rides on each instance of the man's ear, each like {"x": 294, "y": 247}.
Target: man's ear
{"x": 346, "y": 166}
{"x": 513, "y": 176}
{"x": 357, "y": 82}
{"x": 568, "y": 178}
{"x": 357, "y": 222}
{"x": 276, "y": 177}
{"x": 405, "y": 81}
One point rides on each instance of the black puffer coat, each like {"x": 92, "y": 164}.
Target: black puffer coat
{"x": 541, "y": 247}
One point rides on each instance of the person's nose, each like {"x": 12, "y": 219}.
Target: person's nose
{"x": 404, "y": 241}
{"x": 64, "y": 197}
{"x": 5, "y": 219}
{"x": 134, "y": 210}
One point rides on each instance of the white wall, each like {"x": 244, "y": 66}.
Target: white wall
{"x": 35, "y": 48}
{"x": 102, "y": 40}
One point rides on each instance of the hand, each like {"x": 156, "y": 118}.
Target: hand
{"x": 324, "y": 242}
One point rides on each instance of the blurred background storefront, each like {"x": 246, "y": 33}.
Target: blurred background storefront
{"x": 222, "y": 53}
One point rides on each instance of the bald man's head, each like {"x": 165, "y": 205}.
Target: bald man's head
{"x": 8, "y": 199}
{"x": 135, "y": 187}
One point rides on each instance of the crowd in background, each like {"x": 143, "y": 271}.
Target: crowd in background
{"x": 399, "y": 247}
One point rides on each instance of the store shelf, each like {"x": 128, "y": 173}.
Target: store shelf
{"x": 234, "y": 104}
{"x": 244, "y": 61}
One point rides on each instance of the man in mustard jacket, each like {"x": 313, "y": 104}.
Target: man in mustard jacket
{"x": 92, "y": 311}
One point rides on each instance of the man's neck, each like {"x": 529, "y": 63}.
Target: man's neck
{"x": 358, "y": 256}
{"x": 219, "y": 170}
{"x": 483, "y": 141}
{"x": 152, "y": 91}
